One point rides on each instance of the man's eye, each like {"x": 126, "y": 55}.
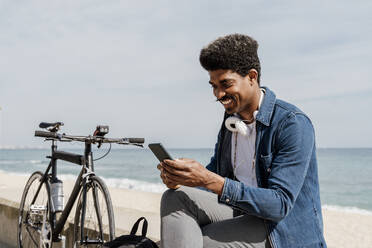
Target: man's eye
{"x": 227, "y": 85}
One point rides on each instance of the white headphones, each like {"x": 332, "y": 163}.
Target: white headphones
{"x": 235, "y": 124}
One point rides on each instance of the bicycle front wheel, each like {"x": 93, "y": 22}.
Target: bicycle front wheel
{"x": 99, "y": 224}
{"x": 34, "y": 229}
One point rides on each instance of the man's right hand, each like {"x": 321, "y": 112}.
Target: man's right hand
{"x": 165, "y": 180}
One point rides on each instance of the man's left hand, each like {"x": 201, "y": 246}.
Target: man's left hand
{"x": 185, "y": 171}
{"x": 189, "y": 172}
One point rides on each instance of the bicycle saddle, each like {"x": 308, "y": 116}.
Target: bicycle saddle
{"x": 54, "y": 126}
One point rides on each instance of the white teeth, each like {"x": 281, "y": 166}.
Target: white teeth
{"x": 227, "y": 101}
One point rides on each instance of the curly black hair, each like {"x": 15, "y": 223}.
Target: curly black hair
{"x": 236, "y": 52}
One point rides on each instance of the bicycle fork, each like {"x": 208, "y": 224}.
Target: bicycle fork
{"x": 87, "y": 183}
{"x": 85, "y": 240}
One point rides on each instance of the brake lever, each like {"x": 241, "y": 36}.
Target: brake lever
{"x": 134, "y": 144}
{"x": 59, "y": 138}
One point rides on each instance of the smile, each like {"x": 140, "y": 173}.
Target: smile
{"x": 226, "y": 101}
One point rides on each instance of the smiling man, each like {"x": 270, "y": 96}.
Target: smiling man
{"x": 261, "y": 184}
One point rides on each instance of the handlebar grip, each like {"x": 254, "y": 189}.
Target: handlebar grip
{"x": 46, "y": 134}
{"x": 136, "y": 140}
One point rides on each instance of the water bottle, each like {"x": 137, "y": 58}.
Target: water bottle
{"x": 56, "y": 190}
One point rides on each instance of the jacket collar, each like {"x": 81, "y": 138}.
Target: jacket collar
{"x": 267, "y": 107}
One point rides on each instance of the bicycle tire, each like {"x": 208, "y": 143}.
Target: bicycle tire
{"x": 29, "y": 228}
{"x": 93, "y": 227}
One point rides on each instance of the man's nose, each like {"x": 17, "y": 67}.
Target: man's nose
{"x": 219, "y": 93}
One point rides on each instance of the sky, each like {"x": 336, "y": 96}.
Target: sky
{"x": 133, "y": 65}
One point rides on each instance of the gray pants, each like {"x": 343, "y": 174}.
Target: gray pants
{"x": 193, "y": 218}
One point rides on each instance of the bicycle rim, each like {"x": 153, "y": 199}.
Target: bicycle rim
{"x": 99, "y": 216}
{"x": 31, "y": 231}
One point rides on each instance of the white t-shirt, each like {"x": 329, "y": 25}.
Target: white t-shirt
{"x": 245, "y": 170}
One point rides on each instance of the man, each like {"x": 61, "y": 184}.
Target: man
{"x": 261, "y": 184}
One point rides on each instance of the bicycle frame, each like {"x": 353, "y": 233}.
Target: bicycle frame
{"x": 86, "y": 183}
{"x": 87, "y": 170}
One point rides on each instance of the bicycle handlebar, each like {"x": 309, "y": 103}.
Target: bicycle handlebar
{"x": 136, "y": 140}
{"x": 45, "y": 134}
{"x": 89, "y": 139}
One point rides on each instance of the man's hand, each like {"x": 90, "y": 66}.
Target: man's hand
{"x": 165, "y": 179}
{"x": 189, "y": 172}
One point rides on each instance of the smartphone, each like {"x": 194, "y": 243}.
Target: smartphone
{"x": 159, "y": 151}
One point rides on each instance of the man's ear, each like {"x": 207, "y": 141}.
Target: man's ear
{"x": 253, "y": 74}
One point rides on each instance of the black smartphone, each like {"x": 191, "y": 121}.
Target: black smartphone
{"x": 159, "y": 151}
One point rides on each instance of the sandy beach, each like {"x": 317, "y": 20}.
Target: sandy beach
{"x": 342, "y": 228}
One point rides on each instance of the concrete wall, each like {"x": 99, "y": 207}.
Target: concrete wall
{"x": 8, "y": 223}
{"x": 128, "y": 206}
{"x": 9, "y": 211}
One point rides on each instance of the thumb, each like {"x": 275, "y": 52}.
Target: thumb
{"x": 185, "y": 159}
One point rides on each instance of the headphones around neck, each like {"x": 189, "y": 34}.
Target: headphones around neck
{"x": 235, "y": 124}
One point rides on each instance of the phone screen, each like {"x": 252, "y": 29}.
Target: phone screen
{"x": 159, "y": 151}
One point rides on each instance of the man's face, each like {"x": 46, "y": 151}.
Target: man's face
{"x": 233, "y": 91}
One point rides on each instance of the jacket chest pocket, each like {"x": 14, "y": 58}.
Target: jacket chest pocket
{"x": 265, "y": 162}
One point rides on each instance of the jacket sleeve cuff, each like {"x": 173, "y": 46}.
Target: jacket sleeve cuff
{"x": 229, "y": 192}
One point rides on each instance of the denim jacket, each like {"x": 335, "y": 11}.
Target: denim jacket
{"x": 287, "y": 196}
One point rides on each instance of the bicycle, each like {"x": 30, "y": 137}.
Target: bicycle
{"x": 42, "y": 213}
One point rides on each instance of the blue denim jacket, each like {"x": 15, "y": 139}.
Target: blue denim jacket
{"x": 287, "y": 197}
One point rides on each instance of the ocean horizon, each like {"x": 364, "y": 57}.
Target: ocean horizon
{"x": 345, "y": 174}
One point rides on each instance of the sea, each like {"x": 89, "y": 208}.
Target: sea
{"x": 345, "y": 175}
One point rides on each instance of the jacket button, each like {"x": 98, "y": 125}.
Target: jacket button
{"x": 268, "y": 170}
{"x": 227, "y": 200}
